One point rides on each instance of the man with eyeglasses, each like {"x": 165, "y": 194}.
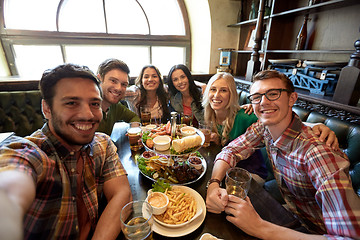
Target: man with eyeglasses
{"x": 114, "y": 78}
{"x": 314, "y": 179}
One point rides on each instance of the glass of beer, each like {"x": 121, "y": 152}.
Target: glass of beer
{"x": 136, "y": 220}
{"x": 206, "y": 130}
{"x": 237, "y": 182}
{"x": 134, "y": 134}
{"x": 186, "y": 119}
{"x": 145, "y": 115}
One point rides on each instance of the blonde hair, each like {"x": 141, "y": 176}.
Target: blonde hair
{"x": 233, "y": 106}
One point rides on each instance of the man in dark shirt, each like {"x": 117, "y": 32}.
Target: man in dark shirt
{"x": 114, "y": 77}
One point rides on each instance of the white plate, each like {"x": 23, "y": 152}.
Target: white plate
{"x": 198, "y": 210}
{"x": 188, "y": 228}
{"x": 168, "y": 153}
{"x": 283, "y": 61}
{"x": 203, "y": 161}
{"x": 324, "y": 64}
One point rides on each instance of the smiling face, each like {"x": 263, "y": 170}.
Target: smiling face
{"x": 180, "y": 81}
{"x": 114, "y": 86}
{"x": 76, "y": 112}
{"x": 276, "y": 115}
{"x": 150, "y": 79}
{"x": 219, "y": 95}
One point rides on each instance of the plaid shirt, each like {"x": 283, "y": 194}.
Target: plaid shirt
{"x": 53, "y": 214}
{"x": 313, "y": 179}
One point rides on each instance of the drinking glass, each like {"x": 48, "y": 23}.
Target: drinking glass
{"x": 134, "y": 134}
{"x": 136, "y": 220}
{"x": 206, "y": 130}
{"x": 237, "y": 182}
{"x": 145, "y": 115}
{"x": 186, "y": 119}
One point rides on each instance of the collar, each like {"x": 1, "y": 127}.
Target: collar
{"x": 52, "y": 145}
{"x": 285, "y": 141}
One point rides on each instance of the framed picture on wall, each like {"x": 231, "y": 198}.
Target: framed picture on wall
{"x": 250, "y": 39}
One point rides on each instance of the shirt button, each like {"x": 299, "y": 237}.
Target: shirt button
{"x": 73, "y": 198}
{"x": 73, "y": 170}
{"x": 71, "y": 153}
{"x": 77, "y": 228}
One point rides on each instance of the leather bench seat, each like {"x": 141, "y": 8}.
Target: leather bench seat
{"x": 20, "y": 112}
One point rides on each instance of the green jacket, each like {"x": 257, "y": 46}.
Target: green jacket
{"x": 116, "y": 113}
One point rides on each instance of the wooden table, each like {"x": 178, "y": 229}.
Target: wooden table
{"x": 215, "y": 224}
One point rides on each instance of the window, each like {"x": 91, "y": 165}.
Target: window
{"x": 86, "y": 32}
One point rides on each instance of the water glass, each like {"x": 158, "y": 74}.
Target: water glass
{"x": 136, "y": 220}
{"x": 237, "y": 182}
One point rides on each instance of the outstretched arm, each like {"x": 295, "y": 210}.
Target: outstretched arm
{"x": 17, "y": 192}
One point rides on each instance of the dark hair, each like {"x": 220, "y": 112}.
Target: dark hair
{"x": 50, "y": 78}
{"x": 267, "y": 74}
{"x": 110, "y": 64}
{"x": 195, "y": 91}
{"x": 160, "y": 92}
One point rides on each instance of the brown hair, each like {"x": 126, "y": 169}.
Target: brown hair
{"x": 267, "y": 74}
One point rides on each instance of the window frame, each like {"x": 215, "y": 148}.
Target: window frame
{"x": 10, "y": 37}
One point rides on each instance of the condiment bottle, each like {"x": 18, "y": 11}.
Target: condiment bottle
{"x": 173, "y": 123}
{"x": 301, "y": 38}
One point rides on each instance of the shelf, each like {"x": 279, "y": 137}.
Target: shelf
{"x": 244, "y": 51}
{"x": 299, "y": 51}
{"x": 300, "y": 11}
{"x": 312, "y": 51}
{"x": 316, "y": 7}
{"x": 247, "y": 22}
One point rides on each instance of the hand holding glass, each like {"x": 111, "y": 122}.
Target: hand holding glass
{"x": 237, "y": 182}
{"x": 136, "y": 220}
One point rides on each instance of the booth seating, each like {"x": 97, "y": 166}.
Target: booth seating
{"x": 20, "y": 112}
{"x": 347, "y": 133}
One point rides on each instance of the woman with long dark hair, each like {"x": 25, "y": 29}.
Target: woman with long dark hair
{"x": 151, "y": 92}
{"x": 185, "y": 95}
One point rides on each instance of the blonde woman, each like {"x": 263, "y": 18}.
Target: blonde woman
{"x": 229, "y": 120}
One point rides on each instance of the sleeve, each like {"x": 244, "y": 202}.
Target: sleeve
{"x": 22, "y": 155}
{"x": 127, "y": 115}
{"x": 112, "y": 166}
{"x": 243, "y": 146}
{"x": 335, "y": 195}
{"x": 132, "y": 96}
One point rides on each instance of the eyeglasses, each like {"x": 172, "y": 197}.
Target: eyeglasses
{"x": 271, "y": 95}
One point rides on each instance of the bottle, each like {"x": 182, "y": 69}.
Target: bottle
{"x": 267, "y": 8}
{"x": 301, "y": 38}
{"x": 173, "y": 123}
{"x": 253, "y": 14}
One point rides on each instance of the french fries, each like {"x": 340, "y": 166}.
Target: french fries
{"x": 181, "y": 208}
